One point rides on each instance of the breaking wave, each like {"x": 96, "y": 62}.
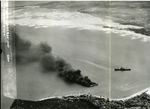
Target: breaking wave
{"x": 147, "y": 90}
{"x": 42, "y": 18}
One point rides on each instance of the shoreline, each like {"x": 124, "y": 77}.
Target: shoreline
{"x": 100, "y": 72}
{"x": 84, "y": 102}
{"x": 126, "y": 98}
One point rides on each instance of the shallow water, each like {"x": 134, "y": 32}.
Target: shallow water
{"x": 88, "y": 51}
{"x": 89, "y": 37}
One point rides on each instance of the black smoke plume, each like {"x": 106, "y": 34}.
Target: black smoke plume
{"x": 26, "y": 52}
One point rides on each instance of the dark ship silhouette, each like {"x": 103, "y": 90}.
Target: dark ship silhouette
{"x": 122, "y": 69}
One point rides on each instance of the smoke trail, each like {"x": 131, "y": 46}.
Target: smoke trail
{"x": 26, "y": 52}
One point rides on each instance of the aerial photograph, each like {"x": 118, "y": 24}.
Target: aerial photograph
{"x": 75, "y": 55}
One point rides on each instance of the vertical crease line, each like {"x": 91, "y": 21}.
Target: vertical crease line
{"x": 8, "y": 70}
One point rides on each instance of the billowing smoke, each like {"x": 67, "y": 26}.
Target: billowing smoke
{"x": 26, "y": 52}
{"x": 51, "y": 63}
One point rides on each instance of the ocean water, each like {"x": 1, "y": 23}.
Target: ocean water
{"x": 95, "y": 37}
{"x": 91, "y": 55}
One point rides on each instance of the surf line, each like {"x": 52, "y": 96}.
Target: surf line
{"x": 147, "y": 91}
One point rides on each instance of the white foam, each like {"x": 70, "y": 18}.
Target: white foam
{"x": 68, "y": 96}
{"x": 40, "y": 18}
{"x": 147, "y": 90}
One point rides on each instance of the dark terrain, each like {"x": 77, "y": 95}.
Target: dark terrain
{"x": 84, "y": 102}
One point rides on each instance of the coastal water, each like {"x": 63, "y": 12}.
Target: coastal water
{"x": 88, "y": 51}
{"x": 95, "y": 37}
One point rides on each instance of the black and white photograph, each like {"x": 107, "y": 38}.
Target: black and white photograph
{"x": 75, "y": 54}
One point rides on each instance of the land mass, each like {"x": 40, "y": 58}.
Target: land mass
{"x": 84, "y": 102}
